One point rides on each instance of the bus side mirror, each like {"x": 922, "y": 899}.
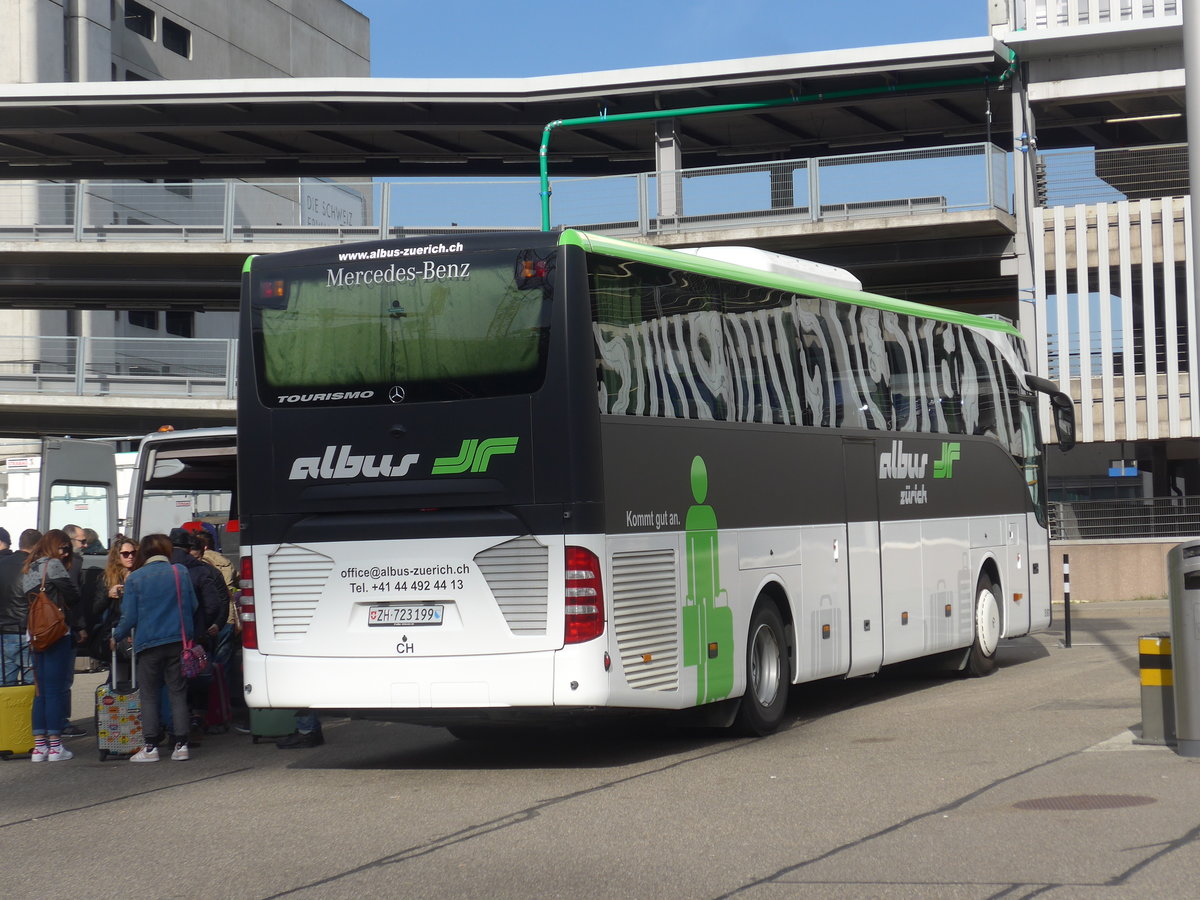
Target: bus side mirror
{"x": 1061, "y": 408}
{"x": 1063, "y": 411}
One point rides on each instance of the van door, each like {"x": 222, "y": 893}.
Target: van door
{"x": 78, "y": 486}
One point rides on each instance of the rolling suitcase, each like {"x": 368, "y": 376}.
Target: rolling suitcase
{"x": 119, "y": 715}
{"x": 16, "y": 701}
{"x": 218, "y": 717}
{"x": 271, "y": 723}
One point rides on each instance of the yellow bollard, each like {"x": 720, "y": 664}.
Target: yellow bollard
{"x": 1158, "y": 689}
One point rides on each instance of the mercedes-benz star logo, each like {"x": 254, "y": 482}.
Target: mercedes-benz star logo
{"x": 396, "y": 394}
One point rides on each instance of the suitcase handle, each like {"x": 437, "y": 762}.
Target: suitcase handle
{"x": 112, "y": 672}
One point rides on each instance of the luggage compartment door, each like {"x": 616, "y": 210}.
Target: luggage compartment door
{"x": 862, "y": 537}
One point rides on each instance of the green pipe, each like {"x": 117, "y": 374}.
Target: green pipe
{"x": 544, "y": 149}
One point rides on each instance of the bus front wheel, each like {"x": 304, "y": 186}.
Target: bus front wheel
{"x": 981, "y": 660}
{"x": 767, "y": 673}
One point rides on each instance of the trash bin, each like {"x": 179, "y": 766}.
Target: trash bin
{"x": 1183, "y": 576}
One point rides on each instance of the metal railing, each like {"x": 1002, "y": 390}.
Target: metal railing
{"x": 837, "y": 188}
{"x": 1036, "y": 14}
{"x": 1106, "y": 176}
{"x": 194, "y": 368}
{"x": 1126, "y": 519}
{"x": 1157, "y": 356}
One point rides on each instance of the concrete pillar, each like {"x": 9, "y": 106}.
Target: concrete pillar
{"x": 668, "y": 162}
{"x": 89, "y": 40}
{"x": 1030, "y": 307}
{"x": 1191, "y": 62}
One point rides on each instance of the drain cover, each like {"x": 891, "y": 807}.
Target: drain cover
{"x": 1084, "y": 801}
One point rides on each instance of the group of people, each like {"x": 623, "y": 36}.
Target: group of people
{"x": 157, "y": 594}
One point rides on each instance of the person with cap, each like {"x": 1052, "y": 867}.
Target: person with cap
{"x": 212, "y": 610}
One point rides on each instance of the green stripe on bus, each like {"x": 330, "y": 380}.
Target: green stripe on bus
{"x": 607, "y": 246}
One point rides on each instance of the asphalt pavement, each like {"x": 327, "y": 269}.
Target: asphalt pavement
{"x": 1025, "y": 783}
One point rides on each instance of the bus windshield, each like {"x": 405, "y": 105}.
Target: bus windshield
{"x": 461, "y": 324}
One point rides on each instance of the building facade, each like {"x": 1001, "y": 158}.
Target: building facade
{"x": 1053, "y": 191}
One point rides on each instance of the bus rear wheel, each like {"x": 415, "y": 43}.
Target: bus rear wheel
{"x": 981, "y": 660}
{"x": 767, "y": 673}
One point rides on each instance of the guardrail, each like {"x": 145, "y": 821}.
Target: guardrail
{"x": 194, "y": 368}
{"x": 837, "y": 188}
{"x": 1126, "y": 519}
{"x": 1111, "y": 175}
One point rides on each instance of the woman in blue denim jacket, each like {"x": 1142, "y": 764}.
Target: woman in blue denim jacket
{"x": 160, "y": 603}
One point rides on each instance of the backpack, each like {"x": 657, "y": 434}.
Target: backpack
{"x": 47, "y": 625}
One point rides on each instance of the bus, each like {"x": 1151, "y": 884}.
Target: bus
{"x": 522, "y": 475}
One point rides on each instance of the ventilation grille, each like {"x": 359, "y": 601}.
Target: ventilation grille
{"x": 518, "y": 573}
{"x": 296, "y": 579}
{"x": 646, "y": 618}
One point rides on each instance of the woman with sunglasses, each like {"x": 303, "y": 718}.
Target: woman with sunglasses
{"x": 52, "y": 667}
{"x": 106, "y": 607}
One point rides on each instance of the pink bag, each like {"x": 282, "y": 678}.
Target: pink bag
{"x": 193, "y": 661}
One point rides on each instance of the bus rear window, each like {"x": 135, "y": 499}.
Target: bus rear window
{"x": 370, "y": 330}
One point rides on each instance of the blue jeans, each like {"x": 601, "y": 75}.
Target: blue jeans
{"x": 307, "y": 722}
{"x": 54, "y": 670}
{"x": 15, "y": 662}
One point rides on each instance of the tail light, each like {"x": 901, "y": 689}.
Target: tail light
{"x": 584, "y": 595}
{"x": 246, "y": 606}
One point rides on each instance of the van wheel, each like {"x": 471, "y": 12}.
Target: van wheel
{"x": 767, "y": 673}
{"x": 981, "y": 660}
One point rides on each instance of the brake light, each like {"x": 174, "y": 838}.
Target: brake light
{"x": 584, "y": 596}
{"x": 246, "y": 606}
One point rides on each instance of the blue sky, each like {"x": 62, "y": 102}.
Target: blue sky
{"x": 503, "y": 38}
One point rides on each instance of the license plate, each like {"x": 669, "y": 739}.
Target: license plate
{"x": 406, "y": 614}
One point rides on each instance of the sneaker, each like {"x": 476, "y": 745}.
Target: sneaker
{"x": 62, "y": 754}
{"x": 146, "y": 754}
{"x": 39, "y": 755}
{"x": 298, "y": 740}
{"x": 73, "y": 731}
{"x": 240, "y": 728}
{"x": 180, "y": 753}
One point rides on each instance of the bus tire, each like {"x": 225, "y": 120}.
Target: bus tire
{"x": 981, "y": 659}
{"x": 767, "y": 673}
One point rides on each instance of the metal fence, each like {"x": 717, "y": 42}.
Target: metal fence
{"x": 115, "y": 367}
{"x": 863, "y": 185}
{"x": 1125, "y": 520}
{"x": 1105, "y": 176}
{"x": 1140, "y": 358}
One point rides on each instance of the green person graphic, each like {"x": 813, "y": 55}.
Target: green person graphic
{"x": 707, "y": 628}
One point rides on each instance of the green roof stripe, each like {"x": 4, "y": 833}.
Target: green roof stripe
{"x": 607, "y": 246}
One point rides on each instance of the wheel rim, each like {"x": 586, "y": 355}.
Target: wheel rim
{"x": 987, "y": 621}
{"x": 765, "y": 659}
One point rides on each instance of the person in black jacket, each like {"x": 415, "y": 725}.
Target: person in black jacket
{"x": 212, "y": 609}
{"x": 14, "y": 610}
{"x": 210, "y": 590}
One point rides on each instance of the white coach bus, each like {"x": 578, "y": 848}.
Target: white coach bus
{"x": 531, "y": 474}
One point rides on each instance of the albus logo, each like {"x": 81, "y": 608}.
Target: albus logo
{"x": 900, "y": 465}
{"x": 339, "y": 462}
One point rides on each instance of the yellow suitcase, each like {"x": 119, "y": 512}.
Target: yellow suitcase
{"x": 16, "y": 720}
